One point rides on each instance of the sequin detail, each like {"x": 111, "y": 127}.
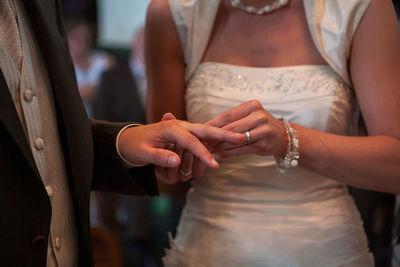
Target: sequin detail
{"x": 282, "y": 81}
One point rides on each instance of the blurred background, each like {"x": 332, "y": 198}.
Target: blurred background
{"x": 106, "y": 41}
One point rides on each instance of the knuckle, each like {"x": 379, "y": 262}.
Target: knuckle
{"x": 255, "y": 104}
{"x": 166, "y": 124}
{"x": 267, "y": 130}
{"x": 261, "y": 118}
{"x": 263, "y": 146}
{"x": 228, "y": 118}
{"x": 227, "y": 129}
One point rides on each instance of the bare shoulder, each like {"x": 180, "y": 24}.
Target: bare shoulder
{"x": 380, "y": 14}
{"x": 377, "y": 37}
{"x": 160, "y": 28}
{"x": 158, "y": 12}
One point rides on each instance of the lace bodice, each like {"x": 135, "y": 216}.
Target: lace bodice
{"x": 310, "y": 95}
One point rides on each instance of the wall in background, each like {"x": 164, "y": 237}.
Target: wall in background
{"x": 118, "y": 20}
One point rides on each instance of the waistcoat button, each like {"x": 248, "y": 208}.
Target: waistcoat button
{"x": 28, "y": 95}
{"x": 39, "y": 144}
{"x": 49, "y": 190}
{"x": 58, "y": 243}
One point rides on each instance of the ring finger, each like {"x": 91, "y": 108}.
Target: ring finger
{"x": 252, "y": 121}
{"x": 185, "y": 169}
{"x": 172, "y": 173}
{"x": 256, "y": 137}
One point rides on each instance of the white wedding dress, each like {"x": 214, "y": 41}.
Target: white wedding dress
{"x": 248, "y": 213}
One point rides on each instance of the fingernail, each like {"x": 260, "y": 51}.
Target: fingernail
{"x": 214, "y": 162}
{"x": 172, "y": 161}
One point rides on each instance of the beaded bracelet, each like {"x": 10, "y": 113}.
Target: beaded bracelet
{"x": 292, "y": 156}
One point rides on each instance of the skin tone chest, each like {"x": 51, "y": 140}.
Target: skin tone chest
{"x": 281, "y": 38}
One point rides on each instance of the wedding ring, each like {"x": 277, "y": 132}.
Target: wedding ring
{"x": 248, "y": 137}
{"x": 187, "y": 173}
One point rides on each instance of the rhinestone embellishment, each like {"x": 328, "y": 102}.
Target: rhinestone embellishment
{"x": 217, "y": 78}
{"x": 260, "y": 10}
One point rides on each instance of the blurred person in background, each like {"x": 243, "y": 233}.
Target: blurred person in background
{"x": 89, "y": 64}
{"x": 122, "y": 89}
{"x": 137, "y": 65}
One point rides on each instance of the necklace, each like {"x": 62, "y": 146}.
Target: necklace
{"x": 259, "y": 10}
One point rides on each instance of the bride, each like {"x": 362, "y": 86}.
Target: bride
{"x": 290, "y": 74}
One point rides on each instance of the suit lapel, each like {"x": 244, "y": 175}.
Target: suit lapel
{"x": 10, "y": 119}
{"x": 61, "y": 74}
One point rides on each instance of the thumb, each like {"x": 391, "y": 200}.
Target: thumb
{"x": 163, "y": 158}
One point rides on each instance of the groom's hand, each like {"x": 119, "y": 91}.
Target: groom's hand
{"x": 147, "y": 144}
{"x": 266, "y": 134}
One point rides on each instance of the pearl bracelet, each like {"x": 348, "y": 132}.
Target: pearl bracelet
{"x": 292, "y": 156}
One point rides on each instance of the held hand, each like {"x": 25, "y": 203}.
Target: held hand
{"x": 265, "y": 132}
{"x": 190, "y": 166}
{"x": 148, "y": 144}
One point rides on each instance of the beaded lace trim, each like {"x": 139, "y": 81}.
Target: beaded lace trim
{"x": 293, "y": 80}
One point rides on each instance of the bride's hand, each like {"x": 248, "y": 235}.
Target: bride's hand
{"x": 266, "y": 133}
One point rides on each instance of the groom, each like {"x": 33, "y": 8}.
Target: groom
{"x": 51, "y": 155}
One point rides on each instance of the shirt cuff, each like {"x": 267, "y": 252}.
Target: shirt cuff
{"x": 126, "y": 163}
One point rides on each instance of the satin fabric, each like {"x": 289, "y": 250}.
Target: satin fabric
{"x": 248, "y": 213}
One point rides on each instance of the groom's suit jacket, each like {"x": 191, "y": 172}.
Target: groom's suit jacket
{"x": 89, "y": 151}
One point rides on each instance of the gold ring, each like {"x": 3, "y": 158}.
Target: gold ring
{"x": 187, "y": 173}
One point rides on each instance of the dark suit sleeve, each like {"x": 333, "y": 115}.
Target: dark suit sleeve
{"x": 109, "y": 174}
